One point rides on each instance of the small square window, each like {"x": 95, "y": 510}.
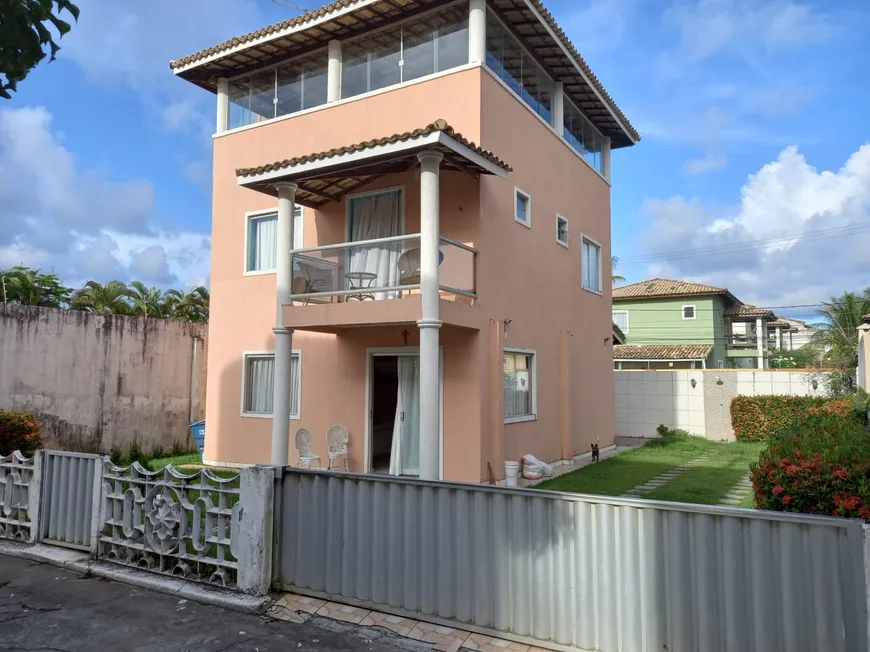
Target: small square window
{"x": 262, "y": 234}
{"x": 522, "y": 208}
{"x": 688, "y": 312}
{"x": 562, "y": 230}
{"x": 258, "y": 384}
{"x": 620, "y": 318}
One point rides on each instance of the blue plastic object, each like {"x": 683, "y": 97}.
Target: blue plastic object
{"x": 197, "y": 431}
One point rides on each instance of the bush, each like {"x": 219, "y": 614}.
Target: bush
{"x": 756, "y": 418}
{"x": 818, "y": 465}
{"x": 19, "y": 431}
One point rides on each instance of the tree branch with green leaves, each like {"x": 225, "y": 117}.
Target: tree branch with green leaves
{"x": 25, "y": 33}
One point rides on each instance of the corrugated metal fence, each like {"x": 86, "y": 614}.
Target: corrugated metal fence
{"x": 72, "y": 492}
{"x": 575, "y": 571}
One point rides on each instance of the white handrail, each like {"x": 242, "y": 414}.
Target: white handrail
{"x": 356, "y": 243}
{"x": 456, "y": 243}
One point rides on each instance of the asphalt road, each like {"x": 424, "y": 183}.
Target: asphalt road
{"x": 46, "y": 609}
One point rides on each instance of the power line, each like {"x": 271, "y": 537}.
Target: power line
{"x": 747, "y": 245}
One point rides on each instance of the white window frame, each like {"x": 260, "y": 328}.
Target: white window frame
{"x": 720, "y": 364}
{"x": 694, "y": 312}
{"x": 559, "y": 219}
{"x": 533, "y": 372}
{"x": 262, "y": 354}
{"x": 252, "y": 215}
{"x": 625, "y": 312}
{"x": 525, "y": 223}
{"x": 586, "y": 238}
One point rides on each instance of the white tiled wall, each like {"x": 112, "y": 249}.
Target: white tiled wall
{"x": 647, "y": 399}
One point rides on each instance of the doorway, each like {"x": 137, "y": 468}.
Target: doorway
{"x": 394, "y": 414}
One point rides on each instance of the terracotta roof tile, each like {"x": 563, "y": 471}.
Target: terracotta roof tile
{"x": 438, "y": 125}
{"x": 618, "y": 335}
{"x": 661, "y": 351}
{"x": 748, "y": 310}
{"x": 264, "y": 31}
{"x": 663, "y": 287}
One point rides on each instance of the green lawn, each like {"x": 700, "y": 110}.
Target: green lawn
{"x": 182, "y": 465}
{"x": 709, "y": 481}
{"x": 706, "y": 483}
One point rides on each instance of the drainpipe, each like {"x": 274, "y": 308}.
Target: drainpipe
{"x": 192, "y": 385}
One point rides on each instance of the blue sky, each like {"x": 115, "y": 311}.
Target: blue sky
{"x": 753, "y": 114}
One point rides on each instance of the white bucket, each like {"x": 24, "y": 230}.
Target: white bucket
{"x": 511, "y": 472}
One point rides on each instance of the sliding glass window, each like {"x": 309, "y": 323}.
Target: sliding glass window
{"x": 517, "y": 68}
{"x": 433, "y": 43}
{"x": 291, "y": 87}
{"x": 583, "y": 137}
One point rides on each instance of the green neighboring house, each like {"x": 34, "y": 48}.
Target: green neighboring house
{"x": 677, "y": 325}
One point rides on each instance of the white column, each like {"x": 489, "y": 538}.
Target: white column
{"x": 605, "y": 157}
{"x": 558, "y": 114}
{"x": 779, "y": 337}
{"x": 761, "y": 340}
{"x": 333, "y": 72}
{"x": 790, "y": 341}
{"x": 223, "y": 105}
{"x": 430, "y": 413}
{"x": 283, "y": 335}
{"x": 477, "y": 31}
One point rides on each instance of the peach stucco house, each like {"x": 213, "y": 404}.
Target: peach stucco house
{"x": 411, "y": 238}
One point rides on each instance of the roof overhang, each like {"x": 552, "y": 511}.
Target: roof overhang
{"x": 328, "y": 176}
{"x": 344, "y": 19}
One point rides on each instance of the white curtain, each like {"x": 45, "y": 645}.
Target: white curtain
{"x": 591, "y": 266}
{"x": 517, "y": 385}
{"x": 263, "y": 243}
{"x": 260, "y": 380}
{"x": 260, "y": 384}
{"x": 405, "y": 454}
{"x": 372, "y": 217}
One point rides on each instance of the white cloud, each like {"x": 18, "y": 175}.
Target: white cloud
{"x": 598, "y": 25}
{"x": 56, "y": 216}
{"x": 708, "y": 27}
{"x": 784, "y": 205}
{"x": 707, "y": 163}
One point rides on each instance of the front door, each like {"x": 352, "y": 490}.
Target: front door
{"x": 394, "y": 414}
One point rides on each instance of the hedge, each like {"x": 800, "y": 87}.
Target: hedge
{"x": 818, "y": 465}
{"x": 755, "y": 418}
{"x": 19, "y": 431}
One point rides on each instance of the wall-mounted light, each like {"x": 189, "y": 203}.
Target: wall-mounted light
{"x": 694, "y": 383}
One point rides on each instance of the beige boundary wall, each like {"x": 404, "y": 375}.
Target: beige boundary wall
{"x": 698, "y": 401}
{"x": 102, "y": 381}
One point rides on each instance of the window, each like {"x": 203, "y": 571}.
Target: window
{"x": 259, "y": 384}
{"x": 591, "y": 255}
{"x": 266, "y": 94}
{"x": 720, "y": 364}
{"x": 519, "y": 386}
{"x": 433, "y": 43}
{"x": 522, "y": 207}
{"x": 517, "y": 68}
{"x": 562, "y": 230}
{"x": 583, "y": 137}
{"x": 620, "y": 318}
{"x": 262, "y": 247}
{"x": 688, "y": 312}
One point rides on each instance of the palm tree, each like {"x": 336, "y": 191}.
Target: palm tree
{"x": 33, "y": 288}
{"x": 192, "y": 306}
{"x": 617, "y": 279}
{"x": 145, "y": 302}
{"x": 837, "y": 335}
{"x": 108, "y": 299}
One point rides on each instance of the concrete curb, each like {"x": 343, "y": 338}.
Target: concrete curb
{"x": 79, "y": 562}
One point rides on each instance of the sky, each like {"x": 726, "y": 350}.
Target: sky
{"x": 753, "y": 172}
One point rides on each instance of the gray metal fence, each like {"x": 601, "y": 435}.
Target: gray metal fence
{"x": 72, "y": 487}
{"x": 574, "y": 571}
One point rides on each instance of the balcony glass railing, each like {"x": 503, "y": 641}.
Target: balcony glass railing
{"x": 376, "y": 270}
{"x": 741, "y": 341}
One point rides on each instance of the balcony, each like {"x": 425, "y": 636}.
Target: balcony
{"x": 741, "y": 342}
{"x": 377, "y": 282}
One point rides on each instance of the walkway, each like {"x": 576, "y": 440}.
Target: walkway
{"x": 738, "y": 492}
{"x": 641, "y": 490}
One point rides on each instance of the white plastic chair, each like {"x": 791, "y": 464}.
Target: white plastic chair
{"x": 304, "y": 456}
{"x": 336, "y": 444}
